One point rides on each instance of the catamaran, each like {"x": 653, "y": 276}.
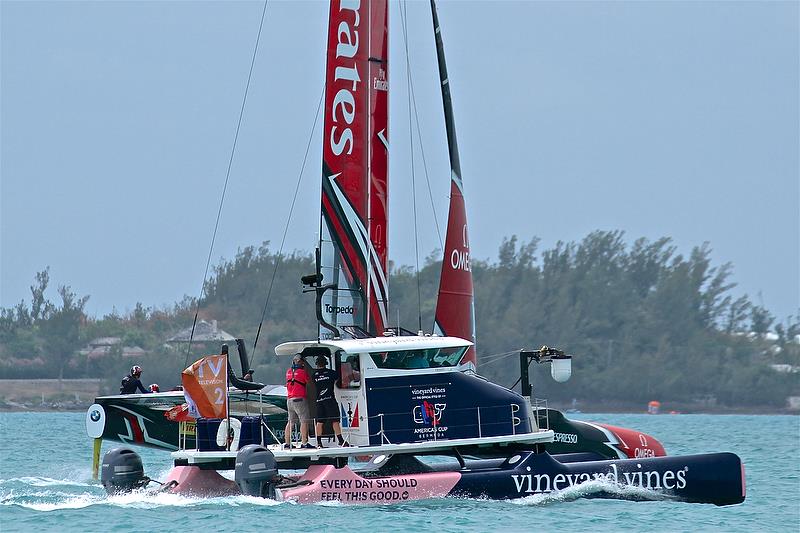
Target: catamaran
{"x": 404, "y": 398}
{"x": 429, "y": 429}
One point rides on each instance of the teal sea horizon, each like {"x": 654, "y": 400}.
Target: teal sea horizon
{"x": 46, "y": 485}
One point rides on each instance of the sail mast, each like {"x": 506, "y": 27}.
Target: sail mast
{"x": 455, "y": 306}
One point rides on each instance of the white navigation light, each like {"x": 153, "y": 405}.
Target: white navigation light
{"x": 561, "y": 368}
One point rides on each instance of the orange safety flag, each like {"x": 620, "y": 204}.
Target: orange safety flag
{"x": 205, "y": 387}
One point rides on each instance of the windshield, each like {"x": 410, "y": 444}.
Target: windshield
{"x": 412, "y": 359}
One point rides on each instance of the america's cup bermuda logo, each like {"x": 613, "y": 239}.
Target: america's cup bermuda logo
{"x": 428, "y": 413}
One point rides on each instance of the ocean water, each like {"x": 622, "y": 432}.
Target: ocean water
{"x": 46, "y": 485}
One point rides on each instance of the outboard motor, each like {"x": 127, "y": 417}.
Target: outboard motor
{"x": 256, "y": 471}
{"x": 122, "y": 471}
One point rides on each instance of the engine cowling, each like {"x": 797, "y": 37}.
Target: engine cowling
{"x": 122, "y": 471}
{"x": 256, "y": 471}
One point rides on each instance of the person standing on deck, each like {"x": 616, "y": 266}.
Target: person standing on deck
{"x": 327, "y": 407}
{"x": 296, "y": 404}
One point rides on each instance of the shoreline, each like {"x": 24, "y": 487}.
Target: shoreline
{"x": 601, "y": 410}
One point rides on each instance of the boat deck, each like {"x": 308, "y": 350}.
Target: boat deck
{"x": 283, "y": 455}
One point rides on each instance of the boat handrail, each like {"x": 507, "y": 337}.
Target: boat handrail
{"x": 487, "y": 420}
{"x": 539, "y": 419}
{"x": 540, "y": 412}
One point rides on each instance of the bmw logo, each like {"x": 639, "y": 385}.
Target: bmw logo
{"x": 95, "y": 421}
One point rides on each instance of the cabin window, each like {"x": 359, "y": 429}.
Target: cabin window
{"x": 413, "y": 359}
{"x": 348, "y": 371}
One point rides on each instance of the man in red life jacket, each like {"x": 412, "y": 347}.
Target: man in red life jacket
{"x": 296, "y": 404}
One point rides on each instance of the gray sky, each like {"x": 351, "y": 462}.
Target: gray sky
{"x": 671, "y": 119}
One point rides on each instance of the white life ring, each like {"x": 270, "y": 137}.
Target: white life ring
{"x": 222, "y": 433}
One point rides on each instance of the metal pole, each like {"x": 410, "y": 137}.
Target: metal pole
{"x": 525, "y": 382}
{"x": 98, "y": 442}
{"x": 261, "y": 416}
{"x": 547, "y": 416}
{"x": 228, "y": 431}
{"x": 480, "y": 434}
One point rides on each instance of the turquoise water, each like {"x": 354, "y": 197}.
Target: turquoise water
{"x": 45, "y": 485}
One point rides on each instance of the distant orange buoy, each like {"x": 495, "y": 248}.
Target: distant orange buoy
{"x": 653, "y": 407}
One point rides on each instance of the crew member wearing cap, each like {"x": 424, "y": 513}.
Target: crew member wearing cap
{"x": 296, "y": 405}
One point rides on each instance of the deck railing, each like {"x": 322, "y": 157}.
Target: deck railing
{"x": 541, "y": 414}
{"x": 486, "y": 421}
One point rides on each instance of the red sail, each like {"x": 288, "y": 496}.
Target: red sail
{"x": 354, "y": 166}
{"x": 455, "y": 307}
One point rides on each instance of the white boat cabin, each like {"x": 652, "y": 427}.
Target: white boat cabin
{"x": 403, "y": 389}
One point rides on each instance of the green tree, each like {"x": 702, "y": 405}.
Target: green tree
{"x": 61, "y": 329}
{"x": 643, "y": 321}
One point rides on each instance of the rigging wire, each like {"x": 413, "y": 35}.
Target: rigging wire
{"x": 288, "y": 221}
{"x": 421, "y": 144}
{"x": 419, "y": 135}
{"x": 494, "y": 358}
{"x": 424, "y": 162}
{"x": 225, "y": 187}
{"x": 404, "y": 17}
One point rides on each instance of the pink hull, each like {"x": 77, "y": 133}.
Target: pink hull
{"x": 327, "y": 484}
{"x": 343, "y": 485}
{"x": 192, "y": 481}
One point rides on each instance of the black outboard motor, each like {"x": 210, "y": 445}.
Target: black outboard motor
{"x": 256, "y": 471}
{"x": 122, "y": 471}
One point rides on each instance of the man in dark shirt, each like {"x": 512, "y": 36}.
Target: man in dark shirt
{"x": 327, "y": 406}
{"x": 131, "y": 382}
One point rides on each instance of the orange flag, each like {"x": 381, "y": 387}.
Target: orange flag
{"x": 205, "y": 386}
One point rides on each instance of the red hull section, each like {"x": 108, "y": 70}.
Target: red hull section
{"x": 636, "y": 444}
